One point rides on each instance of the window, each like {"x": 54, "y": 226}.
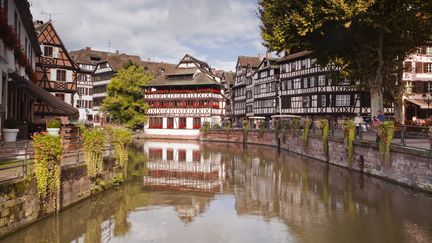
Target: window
{"x": 60, "y": 96}
{"x": 249, "y": 109}
{"x": 182, "y": 123}
{"x": 306, "y": 102}
{"x": 156, "y": 122}
{"x": 343, "y": 100}
{"x": 305, "y": 83}
{"x": 429, "y": 67}
{"x": 196, "y": 156}
{"x": 286, "y": 102}
{"x": 182, "y": 155}
{"x": 297, "y": 83}
{"x": 155, "y": 154}
{"x": 312, "y": 82}
{"x": 170, "y": 154}
{"x": 323, "y": 101}
{"x": 61, "y": 75}
{"x": 321, "y": 80}
{"x": 429, "y": 50}
{"x": 170, "y": 123}
{"x": 196, "y": 123}
{"x": 48, "y": 51}
{"x": 289, "y": 84}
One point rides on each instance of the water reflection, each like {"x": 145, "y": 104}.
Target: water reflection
{"x": 191, "y": 192}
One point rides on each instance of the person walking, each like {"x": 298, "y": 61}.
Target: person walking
{"x": 358, "y": 121}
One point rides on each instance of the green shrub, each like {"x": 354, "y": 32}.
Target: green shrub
{"x": 55, "y": 123}
{"x": 217, "y": 126}
{"x": 350, "y": 134}
{"x": 11, "y": 123}
{"x": 93, "y": 151}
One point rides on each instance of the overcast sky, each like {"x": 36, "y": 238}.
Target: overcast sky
{"x": 216, "y": 31}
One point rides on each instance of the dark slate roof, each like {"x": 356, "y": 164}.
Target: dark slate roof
{"x": 84, "y": 56}
{"x": 229, "y": 77}
{"x": 157, "y": 68}
{"x": 198, "y": 79}
{"x": 253, "y": 62}
{"x": 116, "y": 61}
{"x": 296, "y": 55}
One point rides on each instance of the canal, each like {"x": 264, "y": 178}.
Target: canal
{"x": 179, "y": 191}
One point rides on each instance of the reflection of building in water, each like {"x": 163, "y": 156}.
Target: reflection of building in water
{"x": 183, "y": 166}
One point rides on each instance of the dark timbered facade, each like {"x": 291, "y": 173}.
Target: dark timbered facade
{"x": 242, "y": 91}
{"x": 307, "y": 89}
{"x": 265, "y": 89}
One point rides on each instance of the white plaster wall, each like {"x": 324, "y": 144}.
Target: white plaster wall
{"x": 189, "y": 123}
{"x": 172, "y": 132}
{"x": 164, "y": 122}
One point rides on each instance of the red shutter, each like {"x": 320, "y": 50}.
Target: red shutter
{"x": 419, "y": 67}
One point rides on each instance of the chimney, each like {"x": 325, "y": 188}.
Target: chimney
{"x": 88, "y": 48}
{"x": 268, "y": 54}
{"x": 117, "y": 52}
{"x": 260, "y": 57}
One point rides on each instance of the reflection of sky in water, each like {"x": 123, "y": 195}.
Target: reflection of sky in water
{"x": 219, "y": 223}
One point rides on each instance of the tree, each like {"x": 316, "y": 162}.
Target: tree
{"x": 365, "y": 40}
{"x": 125, "y": 101}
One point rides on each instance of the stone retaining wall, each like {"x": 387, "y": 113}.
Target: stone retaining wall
{"x": 410, "y": 167}
{"x": 20, "y": 205}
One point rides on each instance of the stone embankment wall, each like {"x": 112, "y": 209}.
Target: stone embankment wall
{"x": 20, "y": 204}
{"x": 407, "y": 166}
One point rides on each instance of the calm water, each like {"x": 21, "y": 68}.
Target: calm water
{"x": 192, "y": 192}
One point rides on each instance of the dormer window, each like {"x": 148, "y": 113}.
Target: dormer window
{"x": 96, "y": 59}
{"x": 104, "y": 65}
{"x": 48, "y": 51}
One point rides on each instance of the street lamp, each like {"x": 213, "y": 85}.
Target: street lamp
{"x": 428, "y": 99}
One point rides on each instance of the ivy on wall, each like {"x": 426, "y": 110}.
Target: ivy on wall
{"x": 350, "y": 134}
{"x": 93, "y": 151}
{"x": 306, "y": 128}
{"x": 47, "y": 154}
{"x": 120, "y": 139}
{"x": 386, "y": 133}
{"x": 324, "y": 125}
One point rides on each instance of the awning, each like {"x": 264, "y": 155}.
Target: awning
{"x": 423, "y": 104}
{"x": 285, "y": 116}
{"x": 44, "y": 95}
{"x": 257, "y": 117}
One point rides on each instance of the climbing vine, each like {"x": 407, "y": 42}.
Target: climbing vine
{"x": 227, "y": 127}
{"x": 386, "y": 132}
{"x": 306, "y": 127}
{"x": 324, "y": 125}
{"x": 295, "y": 125}
{"x": 285, "y": 128}
{"x": 47, "y": 155}
{"x": 350, "y": 134}
{"x": 205, "y": 127}
{"x": 93, "y": 151}
{"x": 120, "y": 139}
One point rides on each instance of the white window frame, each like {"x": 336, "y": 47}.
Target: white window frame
{"x": 343, "y": 100}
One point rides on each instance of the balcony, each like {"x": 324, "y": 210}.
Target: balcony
{"x": 98, "y": 95}
{"x": 417, "y": 76}
{"x": 171, "y": 96}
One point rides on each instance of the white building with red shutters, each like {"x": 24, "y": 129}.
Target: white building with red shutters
{"x": 181, "y": 101}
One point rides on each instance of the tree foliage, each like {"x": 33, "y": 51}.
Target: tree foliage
{"x": 366, "y": 40}
{"x": 125, "y": 102}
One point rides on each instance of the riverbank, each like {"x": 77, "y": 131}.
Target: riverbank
{"x": 19, "y": 201}
{"x": 407, "y": 166}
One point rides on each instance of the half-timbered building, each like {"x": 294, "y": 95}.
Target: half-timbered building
{"x": 87, "y": 60}
{"x": 265, "y": 89}
{"x": 56, "y": 72}
{"x": 307, "y": 89}
{"x": 182, "y": 100}
{"x": 242, "y": 91}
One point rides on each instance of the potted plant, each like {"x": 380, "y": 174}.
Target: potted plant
{"x": 11, "y": 130}
{"x": 53, "y": 127}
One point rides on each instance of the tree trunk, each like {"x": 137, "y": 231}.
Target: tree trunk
{"x": 376, "y": 92}
{"x": 398, "y": 96}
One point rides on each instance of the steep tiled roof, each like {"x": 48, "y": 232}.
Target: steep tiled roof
{"x": 88, "y": 56}
{"x": 295, "y": 55}
{"x": 229, "y": 77}
{"x": 253, "y": 62}
{"x": 117, "y": 61}
{"x": 157, "y": 68}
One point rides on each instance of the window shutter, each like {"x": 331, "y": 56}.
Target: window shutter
{"x": 419, "y": 67}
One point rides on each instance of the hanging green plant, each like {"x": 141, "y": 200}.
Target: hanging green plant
{"x": 261, "y": 129}
{"x": 295, "y": 125}
{"x": 306, "y": 128}
{"x": 120, "y": 139}
{"x": 205, "y": 127}
{"x": 386, "y": 133}
{"x": 47, "y": 155}
{"x": 324, "y": 125}
{"x": 93, "y": 151}
{"x": 350, "y": 134}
